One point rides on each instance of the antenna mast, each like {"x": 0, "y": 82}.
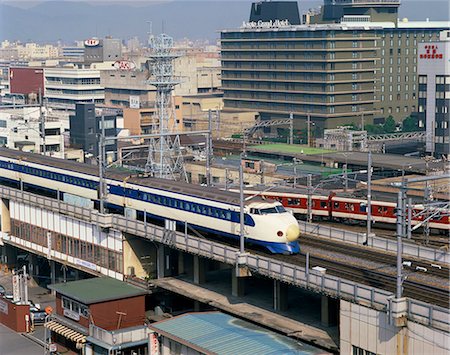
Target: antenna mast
{"x": 165, "y": 159}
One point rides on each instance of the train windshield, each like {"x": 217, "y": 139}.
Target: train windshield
{"x": 270, "y": 210}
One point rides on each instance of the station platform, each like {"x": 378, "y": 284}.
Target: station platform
{"x": 209, "y": 294}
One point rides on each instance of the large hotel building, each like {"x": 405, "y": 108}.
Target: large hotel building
{"x": 351, "y": 62}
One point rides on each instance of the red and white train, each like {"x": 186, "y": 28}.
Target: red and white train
{"x": 336, "y": 207}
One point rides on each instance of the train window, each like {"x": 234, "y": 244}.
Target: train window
{"x": 363, "y": 207}
{"x": 228, "y": 215}
{"x": 336, "y": 205}
{"x": 293, "y": 201}
{"x": 254, "y": 211}
{"x": 323, "y": 204}
{"x": 382, "y": 210}
{"x": 268, "y": 210}
{"x": 280, "y": 209}
{"x": 349, "y": 207}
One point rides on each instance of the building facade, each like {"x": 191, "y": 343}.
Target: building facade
{"x": 102, "y": 50}
{"x": 85, "y": 127}
{"x": 359, "y": 70}
{"x": 68, "y": 86}
{"x": 434, "y": 94}
{"x": 20, "y": 130}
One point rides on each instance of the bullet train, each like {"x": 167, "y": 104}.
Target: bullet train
{"x": 267, "y": 224}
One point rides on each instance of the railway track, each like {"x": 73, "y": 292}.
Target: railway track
{"x": 435, "y": 240}
{"x": 435, "y": 269}
{"x": 432, "y": 294}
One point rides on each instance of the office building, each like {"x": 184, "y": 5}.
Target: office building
{"x": 102, "y": 50}
{"x": 85, "y": 128}
{"x": 434, "y": 94}
{"x": 69, "y": 85}
{"x": 355, "y": 64}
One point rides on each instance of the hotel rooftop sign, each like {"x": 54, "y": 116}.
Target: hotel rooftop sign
{"x": 266, "y": 24}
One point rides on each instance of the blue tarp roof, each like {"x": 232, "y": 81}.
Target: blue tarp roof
{"x": 223, "y": 334}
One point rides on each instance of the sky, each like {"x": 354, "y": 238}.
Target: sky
{"x": 50, "y": 21}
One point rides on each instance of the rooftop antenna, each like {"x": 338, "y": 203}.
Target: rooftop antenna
{"x": 150, "y": 33}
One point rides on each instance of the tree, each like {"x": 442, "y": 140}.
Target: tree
{"x": 389, "y": 125}
{"x": 374, "y": 129}
{"x": 410, "y": 124}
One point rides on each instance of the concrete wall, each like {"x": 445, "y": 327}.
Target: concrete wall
{"x": 137, "y": 253}
{"x": 370, "y": 330}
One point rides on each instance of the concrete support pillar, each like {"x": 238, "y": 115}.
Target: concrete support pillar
{"x": 162, "y": 261}
{"x": 197, "y": 306}
{"x": 5, "y": 221}
{"x": 33, "y": 269}
{"x": 280, "y": 296}
{"x": 53, "y": 274}
{"x": 181, "y": 269}
{"x": 237, "y": 285}
{"x": 199, "y": 270}
{"x": 328, "y": 311}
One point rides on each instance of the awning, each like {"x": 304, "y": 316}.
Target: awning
{"x": 66, "y": 332}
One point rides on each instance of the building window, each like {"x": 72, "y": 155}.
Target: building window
{"x": 405, "y": 109}
{"x": 354, "y": 108}
{"x": 390, "y": 110}
{"x": 75, "y": 307}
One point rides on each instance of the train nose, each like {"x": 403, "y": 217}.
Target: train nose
{"x": 292, "y": 233}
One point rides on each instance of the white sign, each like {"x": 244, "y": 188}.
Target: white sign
{"x": 16, "y": 288}
{"x": 124, "y": 65}
{"x": 86, "y": 264}
{"x": 71, "y": 314}
{"x": 3, "y": 306}
{"x": 52, "y": 348}
{"x": 266, "y": 24}
{"x": 91, "y": 42}
{"x": 134, "y": 101}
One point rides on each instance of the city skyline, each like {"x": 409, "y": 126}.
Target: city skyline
{"x": 50, "y": 21}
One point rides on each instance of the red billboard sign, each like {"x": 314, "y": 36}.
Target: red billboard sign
{"x": 26, "y": 81}
{"x": 431, "y": 52}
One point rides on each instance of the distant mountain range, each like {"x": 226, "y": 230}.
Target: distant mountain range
{"x": 53, "y": 20}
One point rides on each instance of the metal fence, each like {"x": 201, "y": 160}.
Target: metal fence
{"x": 385, "y": 244}
{"x": 333, "y": 286}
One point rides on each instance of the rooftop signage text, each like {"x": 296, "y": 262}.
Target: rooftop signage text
{"x": 431, "y": 52}
{"x": 91, "y": 42}
{"x": 266, "y": 24}
{"x": 124, "y": 65}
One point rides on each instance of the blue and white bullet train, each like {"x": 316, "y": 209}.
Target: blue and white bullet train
{"x": 210, "y": 210}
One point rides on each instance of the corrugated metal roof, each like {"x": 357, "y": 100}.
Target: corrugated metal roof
{"x": 223, "y": 334}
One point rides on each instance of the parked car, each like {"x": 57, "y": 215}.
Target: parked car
{"x": 37, "y": 316}
{"x": 2, "y": 290}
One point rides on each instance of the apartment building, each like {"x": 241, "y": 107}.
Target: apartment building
{"x": 355, "y": 64}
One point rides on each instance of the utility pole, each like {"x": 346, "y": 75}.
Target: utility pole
{"x": 400, "y": 222}
{"x": 369, "y": 195}
{"x": 101, "y": 165}
{"x": 208, "y": 150}
{"x": 226, "y": 179}
{"x": 42, "y": 123}
{"x": 241, "y": 207}
{"x": 295, "y": 173}
{"x": 262, "y": 172}
{"x": 308, "y": 123}
{"x": 291, "y": 128}
{"x": 309, "y": 180}
{"x": 345, "y": 177}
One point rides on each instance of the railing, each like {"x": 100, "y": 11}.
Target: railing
{"x": 385, "y": 244}
{"x": 420, "y": 136}
{"x": 120, "y": 336}
{"x": 428, "y": 314}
